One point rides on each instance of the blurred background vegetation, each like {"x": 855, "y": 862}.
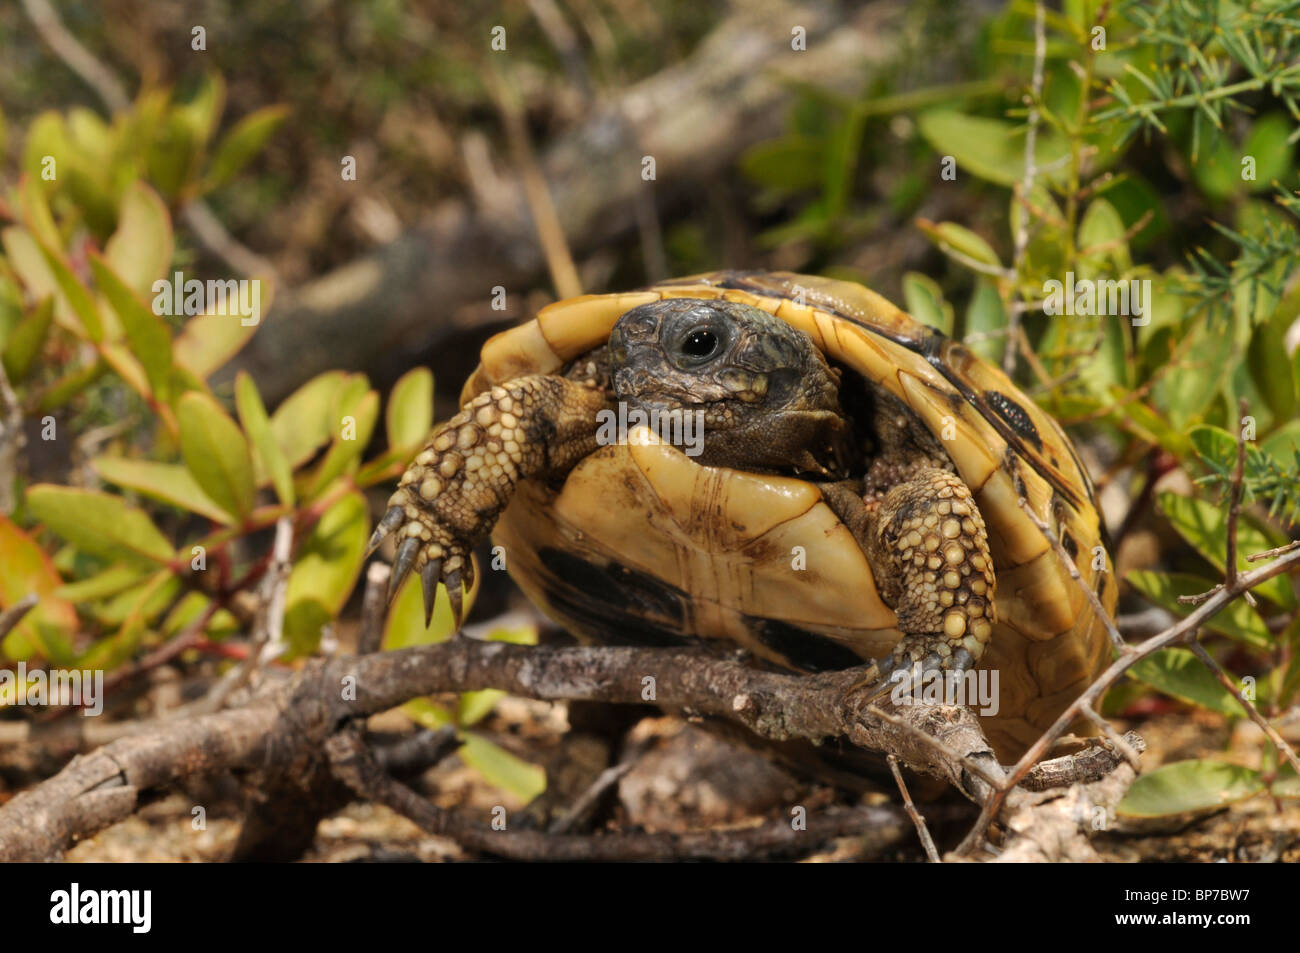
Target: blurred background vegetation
{"x": 1163, "y": 149}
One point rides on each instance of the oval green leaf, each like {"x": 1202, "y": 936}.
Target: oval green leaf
{"x": 216, "y": 453}
{"x": 270, "y": 458}
{"x": 99, "y": 523}
{"x": 409, "y": 416}
{"x": 1189, "y": 786}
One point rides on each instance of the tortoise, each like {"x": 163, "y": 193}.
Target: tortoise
{"x": 853, "y": 494}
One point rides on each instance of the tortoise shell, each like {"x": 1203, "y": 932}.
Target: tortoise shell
{"x": 641, "y": 545}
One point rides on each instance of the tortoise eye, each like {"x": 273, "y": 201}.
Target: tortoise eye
{"x": 700, "y": 343}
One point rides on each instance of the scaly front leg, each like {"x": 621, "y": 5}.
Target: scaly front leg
{"x": 450, "y": 497}
{"x": 927, "y": 546}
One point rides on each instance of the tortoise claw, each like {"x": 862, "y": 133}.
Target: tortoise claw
{"x": 876, "y": 682}
{"x": 890, "y": 672}
{"x": 453, "y": 585}
{"x": 392, "y": 519}
{"x": 469, "y": 572}
{"x": 429, "y": 577}
{"x": 406, "y": 554}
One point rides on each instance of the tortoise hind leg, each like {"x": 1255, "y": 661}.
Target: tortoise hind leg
{"x": 450, "y": 497}
{"x": 928, "y": 550}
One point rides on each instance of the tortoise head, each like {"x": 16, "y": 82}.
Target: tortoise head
{"x": 769, "y": 399}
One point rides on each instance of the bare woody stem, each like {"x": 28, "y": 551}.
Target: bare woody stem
{"x": 1181, "y": 630}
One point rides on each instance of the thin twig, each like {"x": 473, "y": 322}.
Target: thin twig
{"x": 1234, "y": 514}
{"x": 1117, "y": 640}
{"x": 922, "y": 831}
{"x": 12, "y": 440}
{"x": 374, "y": 606}
{"x": 946, "y": 750}
{"x": 166, "y": 652}
{"x": 590, "y": 798}
{"x": 268, "y": 627}
{"x": 1278, "y": 741}
{"x": 1107, "y": 678}
{"x": 1026, "y": 187}
{"x": 1270, "y": 553}
{"x": 75, "y": 56}
{"x": 213, "y": 236}
{"x": 14, "y": 614}
{"x": 1114, "y": 737}
{"x": 353, "y": 763}
{"x": 550, "y": 233}
{"x": 565, "y": 41}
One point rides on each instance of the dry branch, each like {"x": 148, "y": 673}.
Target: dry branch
{"x": 288, "y": 723}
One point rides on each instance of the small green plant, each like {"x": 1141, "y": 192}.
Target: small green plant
{"x": 160, "y": 539}
{"x": 1116, "y": 103}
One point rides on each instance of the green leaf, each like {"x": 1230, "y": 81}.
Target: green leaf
{"x": 75, "y": 293}
{"x": 203, "y": 111}
{"x": 1205, "y": 527}
{"x": 98, "y": 523}
{"x": 26, "y": 340}
{"x": 242, "y": 143}
{"x": 951, "y": 237}
{"x": 991, "y": 149}
{"x": 1103, "y": 250}
{"x": 190, "y": 609}
{"x": 141, "y": 248}
{"x": 501, "y": 769}
{"x": 790, "y": 164}
{"x": 210, "y": 340}
{"x": 984, "y": 318}
{"x": 473, "y": 707}
{"x": 1179, "y": 673}
{"x": 1187, "y": 388}
{"x": 216, "y": 453}
{"x": 405, "y": 624}
{"x": 70, "y": 384}
{"x": 428, "y": 714}
{"x": 169, "y": 482}
{"x": 1237, "y": 620}
{"x": 1274, "y": 156}
{"x": 355, "y": 428}
{"x": 325, "y": 572}
{"x": 25, "y": 257}
{"x": 1270, "y": 365}
{"x": 148, "y": 600}
{"x": 302, "y": 421}
{"x": 102, "y": 585}
{"x": 48, "y": 628}
{"x": 135, "y": 610}
{"x": 252, "y": 414}
{"x": 409, "y": 416}
{"x": 149, "y": 339}
{"x": 1282, "y": 443}
{"x": 1189, "y": 786}
{"x": 1044, "y": 226}
{"x": 1217, "y": 168}
{"x": 924, "y": 300}
{"x": 515, "y": 634}
{"x": 36, "y": 215}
